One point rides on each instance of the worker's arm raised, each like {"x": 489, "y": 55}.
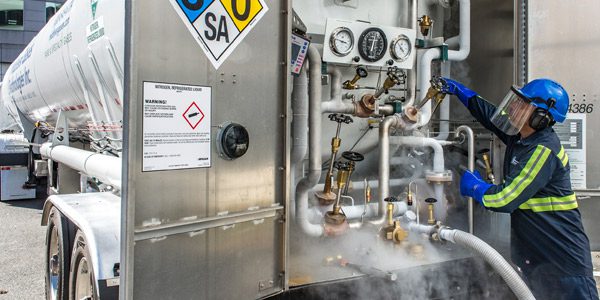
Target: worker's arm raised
{"x": 479, "y": 107}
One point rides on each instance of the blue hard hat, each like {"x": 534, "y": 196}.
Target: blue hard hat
{"x": 539, "y": 91}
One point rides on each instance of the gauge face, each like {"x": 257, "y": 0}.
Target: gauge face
{"x": 372, "y": 44}
{"x": 341, "y": 41}
{"x": 400, "y": 48}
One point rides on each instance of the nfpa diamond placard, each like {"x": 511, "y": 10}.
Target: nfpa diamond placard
{"x": 219, "y": 25}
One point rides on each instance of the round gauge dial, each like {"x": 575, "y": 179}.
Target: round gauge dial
{"x": 400, "y": 48}
{"x": 372, "y": 44}
{"x": 341, "y": 41}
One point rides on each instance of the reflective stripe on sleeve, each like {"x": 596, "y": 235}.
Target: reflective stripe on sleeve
{"x": 521, "y": 182}
{"x": 562, "y": 156}
{"x": 551, "y": 203}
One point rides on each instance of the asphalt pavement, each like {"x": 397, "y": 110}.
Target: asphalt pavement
{"x": 22, "y": 244}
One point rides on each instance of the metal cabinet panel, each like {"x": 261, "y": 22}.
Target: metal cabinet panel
{"x": 563, "y": 42}
{"x": 204, "y": 233}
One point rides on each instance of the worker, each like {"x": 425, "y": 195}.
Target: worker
{"x": 548, "y": 242}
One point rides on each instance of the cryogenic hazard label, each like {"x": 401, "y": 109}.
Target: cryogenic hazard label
{"x": 219, "y": 26}
{"x": 176, "y": 126}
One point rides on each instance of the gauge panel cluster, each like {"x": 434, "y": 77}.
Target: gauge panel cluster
{"x": 360, "y": 43}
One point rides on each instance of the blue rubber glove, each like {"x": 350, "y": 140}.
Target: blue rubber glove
{"x": 472, "y": 185}
{"x": 459, "y": 90}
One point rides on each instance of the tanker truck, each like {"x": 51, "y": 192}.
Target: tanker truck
{"x": 225, "y": 149}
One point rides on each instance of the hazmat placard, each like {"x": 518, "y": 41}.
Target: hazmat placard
{"x": 219, "y": 26}
{"x": 176, "y": 126}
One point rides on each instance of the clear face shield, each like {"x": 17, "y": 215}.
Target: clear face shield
{"x": 512, "y": 113}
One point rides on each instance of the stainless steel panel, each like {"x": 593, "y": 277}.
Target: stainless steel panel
{"x": 219, "y": 263}
{"x": 563, "y": 44}
{"x": 590, "y": 210}
{"x": 250, "y": 88}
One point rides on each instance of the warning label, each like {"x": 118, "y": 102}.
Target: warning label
{"x": 572, "y": 137}
{"x": 176, "y": 126}
{"x": 219, "y": 25}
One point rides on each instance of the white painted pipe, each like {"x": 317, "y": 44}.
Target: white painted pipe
{"x": 314, "y": 143}
{"x": 417, "y": 141}
{"x": 105, "y": 168}
{"x": 471, "y": 154}
{"x": 445, "y": 106}
{"x": 464, "y": 41}
{"x": 299, "y": 118}
{"x": 354, "y": 212}
{"x": 335, "y": 103}
{"x": 299, "y": 131}
{"x": 393, "y": 121}
{"x": 438, "y": 167}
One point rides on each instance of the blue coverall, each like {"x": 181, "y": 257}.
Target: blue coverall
{"x": 548, "y": 242}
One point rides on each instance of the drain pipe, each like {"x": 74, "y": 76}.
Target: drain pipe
{"x": 464, "y": 41}
{"x": 466, "y": 130}
{"x": 299, "y": 129}
{"x": 314, "y": 143}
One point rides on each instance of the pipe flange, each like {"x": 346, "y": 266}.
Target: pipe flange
{"x": 410, "y": 115}
{"x": 334, "y": 218}
{"x": 325, "y": 198}
{"x": 435, "y": 234}
{"x": 335, "y": 229}
{"x": 438, "y": 177}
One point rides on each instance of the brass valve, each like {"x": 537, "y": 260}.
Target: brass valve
{"x": 430, "y": 203}
{"x": 425, "y": 23}
{"x": 409, "y": 194}
{"x": 352, "y": 158}
{"x": 393, "y": 231}
{"x": 390, "y": 213}
{"x": 395, "y": 76}
{"x": 327, "y": 196}
{"x": 336, "y": 216}
{"x": 434, "y": 93}
{"x": 361, "y": 72}
{"x": 489, "y": 172}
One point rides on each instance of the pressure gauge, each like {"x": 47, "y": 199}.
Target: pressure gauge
{"x": 400, "y": 48}
{"x": 341, "y": 41}
{"x": 372, "y": 44}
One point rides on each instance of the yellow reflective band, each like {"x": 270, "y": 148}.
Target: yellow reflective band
{"x": 521, "y": 182}
{"x": 562, "y": 156}
{"x": 551, "y": 204}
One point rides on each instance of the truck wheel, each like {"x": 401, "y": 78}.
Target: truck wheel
{"x": 57, "y": 256}
{"x": 82, "y": 279}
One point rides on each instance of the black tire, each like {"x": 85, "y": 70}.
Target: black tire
{"x": 58, "y": 256}
{"x": 82, "y": 281}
